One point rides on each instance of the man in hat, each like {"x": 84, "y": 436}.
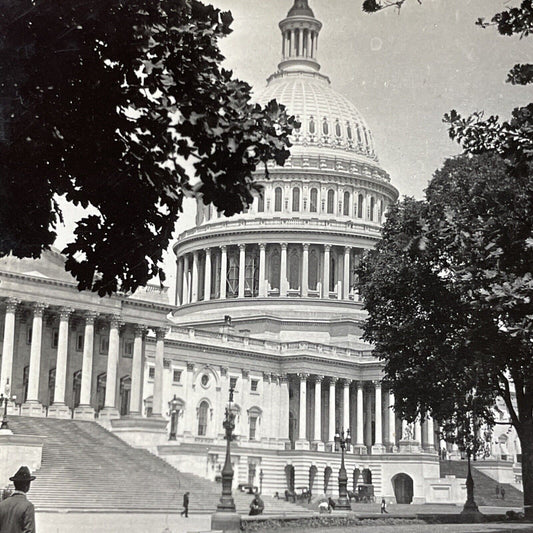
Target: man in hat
{"x": 17, "y": 514}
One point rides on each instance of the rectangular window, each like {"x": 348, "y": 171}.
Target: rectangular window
{"x": 79, "y": 342}
{"x": 55, "y": 338}
{"x": 176, "y": 376}
{"x": 128, "y": 348}
{"x": 151, "y": 372}
{"x": 253, "y": 385}
{"x": 28, "y": 334}
{"x": 104, "y": 345}
{"x": 232, "y": 383}
{"x": 253, "y": 427}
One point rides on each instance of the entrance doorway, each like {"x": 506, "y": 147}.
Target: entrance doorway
{"x": 125, "y": 389}
{"x": 100, "y": 391}
{"x": 289, "y": 477}
{"x": 76, "y": 389}
{"x": 403, "y": 488}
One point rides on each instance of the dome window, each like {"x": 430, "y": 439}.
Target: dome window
{"x": 296, "y": 199}
{"x": 346, "y": 204}
{"x": 325, "y": 127}
{"x": 331, "y": 201}
{"x": 338, "y": 131}
{"x": 277, "y": 199}
{"x": 313, "y": 204}
{"x": 359, "y": 136}
{"x": 260, "y": 204}
{"x": 359, "y": 205}
{"x": 349, "y": 131}
{"x": 312, "y": 128}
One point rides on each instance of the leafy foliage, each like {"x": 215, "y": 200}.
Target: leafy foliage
{"x": 122, "y": 106}
{"x": 449, "y": 293}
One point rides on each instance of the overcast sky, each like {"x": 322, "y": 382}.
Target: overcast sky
{"x": 403, "y": 71}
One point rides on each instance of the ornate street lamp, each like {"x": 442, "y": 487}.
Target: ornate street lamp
{"x": 343, "y": 503}
{"x": 226, "y": 517}
{"x": 174, "y": 413}
{"x": 470, "y": 504}
{"x": 261, "y": 481}
{"x": 5, "y": 399}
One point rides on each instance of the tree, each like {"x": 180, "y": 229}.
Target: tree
{"x": 449, "y": 294}
{"x": 122, "y": 107}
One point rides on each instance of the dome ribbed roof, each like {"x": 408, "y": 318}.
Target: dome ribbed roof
{"x": 327, "y": 118}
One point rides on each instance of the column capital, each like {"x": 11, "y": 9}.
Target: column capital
{"x": 115, "y": 321}
{"x": 11, "y": 304}
{"x": 65, "y": 312}
{"x": 223, "y": 248}
{"x": 195, "y": 254}
{"x": 242, "y": 246}
{"x": 275, "y": 378}
{"x": 305, "y": 246}
{"x": 190, "y": 366}
{"x": 208, "y": 251}
{"x": 223, "y": 371}
{"x": 347, "y": 249}
{"x": 160, "y": 333}
{"x": 245, "y": 373}
{"x": 346, "y": 381}
{"x": 318, "y": 379}
{"x": 262, "y": 245}
{"x": 284, "y": 378}
{"x": 360, "y": 384}
{"x": 90, "y": 317}
{"x": 327, "y": 247}
{"x": 266, "y": 377}
{"x": 332, "y": 380}
{"x": 284, "y": 245}
{"x": 303, "y": 376}
{"x": 140, "y": 330}
{"x": 38, "y": 308}
{"x": 377, "y": 383}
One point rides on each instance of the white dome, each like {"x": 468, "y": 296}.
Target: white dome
{"x": 328, "y": 119}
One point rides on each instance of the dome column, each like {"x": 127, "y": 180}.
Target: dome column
{"x": 179, "y": 282}
{"x": 378, "y": 447}
{"x": 207, "y": 275}
{"x": 262, "y": 270}
{"x": 283, "y": 270}
{"x": 223, "y": 271}
{"x": 195, "y": 280}
{"x": 242, "y": 267}
{"x": 325, "y": 278}
{"x": 317, "y": 438}
{"x": 185, "y": 284}
{"x": 331, "y": 426}
{"x": 137, "y": 365}
{"x": 392, "y": 423}
{"x": 305, "y": 270}
{"x": 302, "y": 443}
{"x": 8, "y": 345}
{"x": 346, "y": 277}
{"x": 345, "y": 404}
{"x": 360, "y": 441}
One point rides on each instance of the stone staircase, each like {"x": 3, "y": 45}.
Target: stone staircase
{"x": 85, "y": 467}
{"x": 484, "y": 486}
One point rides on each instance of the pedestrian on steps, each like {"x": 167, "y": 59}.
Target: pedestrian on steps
{"x": 17, "y": 514}
{"x": 384, "y": 507}
{"x": 185, "y": 505}
{"x": 502, "y": 492}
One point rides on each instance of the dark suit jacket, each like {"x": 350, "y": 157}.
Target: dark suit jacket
{"x": 17, "y": 515}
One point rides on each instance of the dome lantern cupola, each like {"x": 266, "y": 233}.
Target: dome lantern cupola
{"x": 299, "y": 31}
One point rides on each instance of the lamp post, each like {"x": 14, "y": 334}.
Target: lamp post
{"x": 5, "y": 399}
{"x": 173, "y": 408}
{"x": 261, "y": 481}
{"x": 226, "y": 517}
{"x": 343, "y": 503}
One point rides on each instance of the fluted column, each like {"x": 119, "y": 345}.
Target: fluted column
{"x": 195, "y": 278}
{"x": 266, "y": 430}
{"x": 137, "y": 365}
{"x": 185, "y": 283}
{"x": 346, "y": 405}
{"x": 207, "y": 275}
{"x": 262, "y": 270}
{"x": 110, "y": 403}
{"x": 360, "y": 440}
{"x": 418, "y": 431}
{"x": 58, "y": 409}
{"x": 85, "y": 410}
{"x": 242, "y": 269}
{"x": 303, "y": 443}
{"x": 283, "y": 270}
{"x": 430, "y": 432}
{"x": 325, "y": 279}
{"x": 317, "y": 438}
{"x": 346, "y": 278}
{"x": 8, "y": 345}
{"x": 392, "y": 422}
{"x": 300, "y": 42}
{"x": 378, "y": 441}
{"x": 32, "y": 406}
{"x": 368, "y": 419}
{"x": 284, "y": 407}
{"x": 157, "y": 405}
{"x": 179, "y": 281}
{"x": 331, "y": 426}
{"x": 305, "y": 270}
{"x": 223, "y": 271}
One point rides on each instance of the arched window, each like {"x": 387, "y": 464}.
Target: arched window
{"x": 274, "y": 269}
{"x": 233, "y": 275}
{"x": 348, "y": 131}
{"x": 337, "y": 129}
{"x": 277, "y": 199}
{"x": 313, "y": 270}
{"x": 261, "y": 204}
{"x": 359, "y": 205}
{"x": 346, "y": 204}
{"x": 380, "y": 210}
{"x": 313, "y": 204}
{"x": 372, "y": 207}
{"x": 294, "y": 270}
{"x": 332, "y": 272}
{"x": 312, "y": 128}
{"x": 296, "y": 199}
{"x": 202, "y": 419}
{"x": 359, "y": 134}
{"x": 325, "y": 127}
{"x": 331, "y": 201}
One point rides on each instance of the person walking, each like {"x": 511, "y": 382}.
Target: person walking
{"x": 185, "y": 505}
{"x": 502, "y": 492}
{"x": 384, "y": 507}
{"x": 17, "y": 514}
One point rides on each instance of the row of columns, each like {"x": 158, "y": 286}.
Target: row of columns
{"x": 408, "y": 433}
{"x": 59, "y": 408}
{"x": 188, "y": 286}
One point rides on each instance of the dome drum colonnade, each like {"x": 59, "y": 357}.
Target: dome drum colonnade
{"x": 44, "y": 318}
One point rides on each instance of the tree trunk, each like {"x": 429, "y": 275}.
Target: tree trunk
{"x": 526, "y": 442}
